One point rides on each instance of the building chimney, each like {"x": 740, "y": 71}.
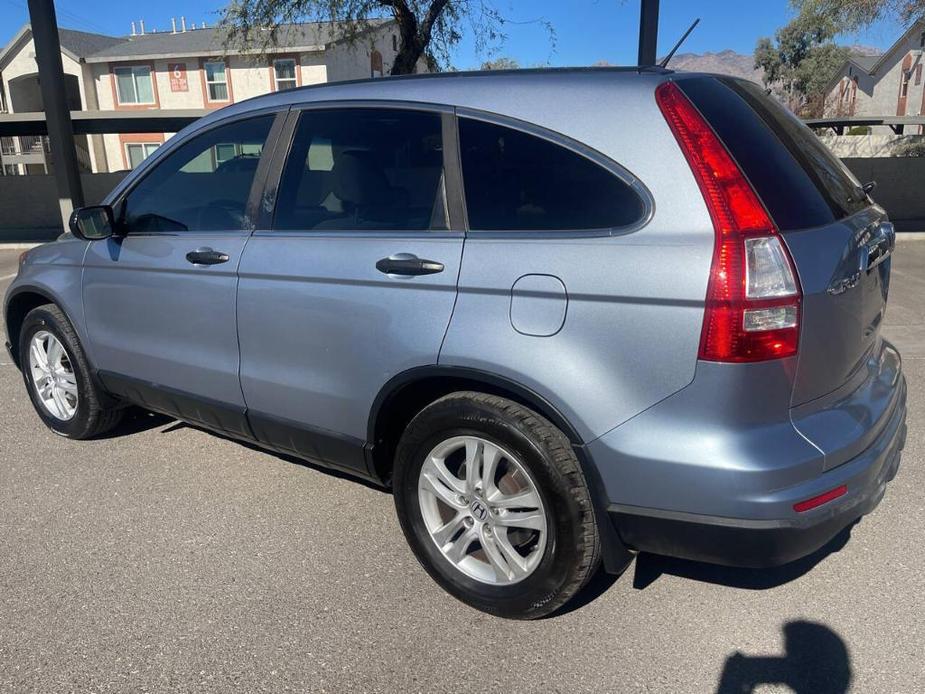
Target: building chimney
{"x": 173, "y": 25}
{"x": 183, "y": 24}
{"x": 141, "y": 24}
{"x": 133, "y": 28}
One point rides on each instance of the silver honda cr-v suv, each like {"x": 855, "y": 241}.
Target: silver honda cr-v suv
{"x": 565, "y": 314}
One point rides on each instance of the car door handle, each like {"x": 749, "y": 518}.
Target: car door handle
{"x": 407, "y": 264}
{"x": 206, "y": 256}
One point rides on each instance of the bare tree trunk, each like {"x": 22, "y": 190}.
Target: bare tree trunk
{"x": 415, "y": 36}
{"x": 406, "y": 59}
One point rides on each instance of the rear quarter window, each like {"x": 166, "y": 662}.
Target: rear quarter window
{"x": 517, "y": 181}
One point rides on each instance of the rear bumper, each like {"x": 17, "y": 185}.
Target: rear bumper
{"x": 698, "y": 480}
{"x": 762, "y": 543}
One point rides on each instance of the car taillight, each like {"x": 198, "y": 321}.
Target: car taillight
{"x": 752, "y": 308}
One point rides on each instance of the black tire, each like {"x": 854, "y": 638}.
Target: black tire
{"x": 92, "y": 418}
{"x": 572, "y": 552}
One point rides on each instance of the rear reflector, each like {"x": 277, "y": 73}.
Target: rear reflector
{"x": 752, "y": 310}
{"x": 817, "y": 501}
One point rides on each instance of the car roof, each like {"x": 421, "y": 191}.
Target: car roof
{"x": 448, "y": 88}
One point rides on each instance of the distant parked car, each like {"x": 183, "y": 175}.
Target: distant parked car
{"x": 566, "y": 315}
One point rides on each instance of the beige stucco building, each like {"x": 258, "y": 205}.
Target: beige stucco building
{"x": 182, "y": 68}
{"x": 884, "y": 85}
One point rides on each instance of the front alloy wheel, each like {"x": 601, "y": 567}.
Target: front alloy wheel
{"x": 53, "y": 375}
{"x": 59, "y": 379}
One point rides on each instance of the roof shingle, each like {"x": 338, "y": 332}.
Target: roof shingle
{"x": 83, "y": 44}
{"x": 201, "y": 41}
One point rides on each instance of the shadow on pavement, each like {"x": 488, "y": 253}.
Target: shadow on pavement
{"x": 136, "y": 421}
{"x": 650, "y": 566}
{"x": 815, "y": 661}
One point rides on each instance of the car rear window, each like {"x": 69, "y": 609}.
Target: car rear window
{"x": 800, "y": 182}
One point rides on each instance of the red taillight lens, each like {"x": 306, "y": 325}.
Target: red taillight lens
{"x": 752, "y": 308}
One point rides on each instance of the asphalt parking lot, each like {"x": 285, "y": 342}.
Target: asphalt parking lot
{"x": 164, "y": 558}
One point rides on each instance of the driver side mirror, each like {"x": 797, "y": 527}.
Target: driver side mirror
{"x": 92, "y": 223}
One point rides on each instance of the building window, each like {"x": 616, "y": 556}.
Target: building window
{"x": 394, "y": 43}
{"x": 285, "y": 74}
{"x": 137, "y": 152}
{"x": 134, "y": 85}
{"x": 918, "y": 74}
{"x": 216, "y": 81}
{"x": 225, "y": 152}
{"x": 904, "y": 89}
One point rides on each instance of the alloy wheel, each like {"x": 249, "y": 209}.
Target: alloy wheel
{"x": 53, "y": 375}
{"x": 483, "y": 510}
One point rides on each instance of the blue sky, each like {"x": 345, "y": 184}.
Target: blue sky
{"x": 587, "y": 30}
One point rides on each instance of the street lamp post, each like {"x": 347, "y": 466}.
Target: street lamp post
{"x": 648, "y": 32}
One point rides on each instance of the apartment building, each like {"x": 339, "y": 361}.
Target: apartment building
{"x": 890, "y": 84}
{"x": 183, "y": 67}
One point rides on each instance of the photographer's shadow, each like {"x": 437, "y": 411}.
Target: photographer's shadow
{"x": 815, "y": 661}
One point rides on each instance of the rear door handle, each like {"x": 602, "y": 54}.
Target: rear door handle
{"x": 408, "y": 265}
{"x": 206, "y": 256}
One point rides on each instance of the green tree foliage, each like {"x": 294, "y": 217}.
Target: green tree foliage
{"x": 799, "y": 62}
{"x": 427, "y": 29}
{"x": 500, "y": 64}
{"x": 851, "y": 15}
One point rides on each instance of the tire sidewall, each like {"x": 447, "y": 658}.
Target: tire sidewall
{"x": 563, "y": 518}
{"x": 41, "y": 319}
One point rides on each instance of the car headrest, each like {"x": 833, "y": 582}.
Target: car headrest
{"x": 358, "y": 179}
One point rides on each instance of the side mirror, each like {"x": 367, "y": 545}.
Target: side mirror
{"x": 92, "y": 223}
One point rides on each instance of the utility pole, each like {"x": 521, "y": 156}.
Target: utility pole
{"x": 54, "y": 100}
{"x": 648, "y": 32}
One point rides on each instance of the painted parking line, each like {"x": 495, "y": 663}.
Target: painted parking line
{"x": 7, "y": 277}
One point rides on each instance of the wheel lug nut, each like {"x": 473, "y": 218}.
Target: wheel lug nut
{"x": 468, "y": 522}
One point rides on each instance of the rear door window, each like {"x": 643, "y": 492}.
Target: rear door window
{"x": 517, "y": 181}
{"x": 364, "y": 169}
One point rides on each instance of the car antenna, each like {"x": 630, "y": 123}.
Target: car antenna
{"x": 674, "y": 50}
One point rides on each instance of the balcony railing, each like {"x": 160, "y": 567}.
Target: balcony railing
{"x": 25, "y": 144}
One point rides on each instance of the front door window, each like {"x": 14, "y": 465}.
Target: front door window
{"x": 201, "y": 186}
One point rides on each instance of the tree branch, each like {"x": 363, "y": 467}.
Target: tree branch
{"x": 436, "y": 7}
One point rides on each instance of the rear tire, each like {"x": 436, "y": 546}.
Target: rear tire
{"x": 554, "y": 533}
{"x": 76, "y": 409}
